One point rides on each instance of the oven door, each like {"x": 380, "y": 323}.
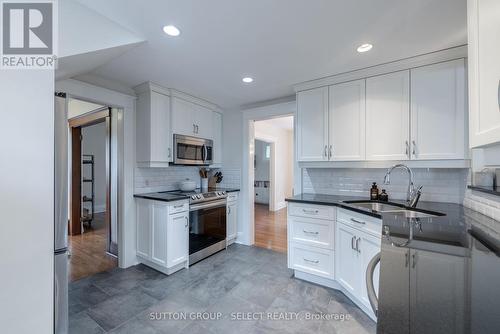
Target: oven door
{"x": 192, "y": 151}
{"x": 207, "y": 225}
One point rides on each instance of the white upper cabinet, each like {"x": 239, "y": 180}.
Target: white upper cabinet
{"x": 191, "y": 119}
{"x": 312, "y": 125}
{"x": 217, "y": 138}
{"x": 154, "y": 141}
{"x": 438, "y": 111}
{"x": 387, "y": 116}
{"x": 484, "y": 71}
{"x": 347, "y": 121}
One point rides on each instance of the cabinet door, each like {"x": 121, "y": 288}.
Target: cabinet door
{"x": 183, "y": 117}
{"x": 312, "y": 124}
{"x": 160, "y": 128}
{"x": 159, "y": 220}
{"x": 369, "y": 246}
{"x": 438, "y": 111}
{"x": 484, "y": 71}
{"x": 347, "y": 119}
{"x": 347, "y": 268}
{"x": 437, "y": 287}
{"x": 177, "y": 239}
{"x": 232, "y": 219}
{"x": 387, "y": 117}
{"x": 143, "y": 213}
{"x": 217, "y": 137}
{"x": 203, "y": 119}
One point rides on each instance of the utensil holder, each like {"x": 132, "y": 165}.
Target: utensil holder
{"x": 204, "y": 184}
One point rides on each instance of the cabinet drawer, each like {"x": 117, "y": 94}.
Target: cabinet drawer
{"x": 311, "y": 211}
{"x": 178, "y": 207}
{"x": 360, "y": 221}
{"x": 232, "y": 197}
{"x": 312, "y": 260}
{"x": 315, "y": 232}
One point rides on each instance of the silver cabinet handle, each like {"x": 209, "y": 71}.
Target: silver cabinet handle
{"x": 194, "y": 128}
{"x": 187, "y": 222}
{"x": 312, "y": 261}
{"x": 330, "y": 152}
{"x": 326, "y": 151}
{"x": 228, "y": 210}
{"x": 407, "y": 150}
{"x": 358, "y": 221}
{"x": 352, "y": 242}
{"x": 357, "y": 245}
{"x": 310, "y": 232}
{"x": 197, "y": 128}
{"x": 414, "y": 149}
{"x": 414, "y": 260}
{"x": 169, "y": 154}
{"x": 178, "y": 206}
{"x": 407, "y": 258}
{"x": 312, "y": 212}
{"x": 370, "y": 288}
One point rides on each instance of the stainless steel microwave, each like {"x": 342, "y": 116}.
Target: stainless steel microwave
{"x": 192, "y": 151}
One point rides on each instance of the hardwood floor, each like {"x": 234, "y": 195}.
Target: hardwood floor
{"x": 88, "y": 251}
{"x": 270, "y": 228}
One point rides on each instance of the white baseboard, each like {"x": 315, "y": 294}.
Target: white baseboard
{"x": 280, "y": 205}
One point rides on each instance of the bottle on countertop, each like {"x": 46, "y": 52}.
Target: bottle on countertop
{"x": 374, "y": 192}
{"x": 383, "y": 196}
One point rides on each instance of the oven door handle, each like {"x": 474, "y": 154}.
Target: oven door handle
{"x": 203, "y": 153}
{"x": 210, "y": 205}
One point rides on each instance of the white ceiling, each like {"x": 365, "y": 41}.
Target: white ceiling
{"x": 285, "y": 123}
{"x": 278, "y": 42}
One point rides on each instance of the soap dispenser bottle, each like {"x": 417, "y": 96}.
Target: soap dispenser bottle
{"x": 374, "y": 192}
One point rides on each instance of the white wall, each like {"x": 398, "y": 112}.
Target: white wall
{"x": 283, "y": 145}
{"x": 27, "y": 201}
{"x": 94, "y": 142}
{"x": 262, "y": 164}
{"x": 78, "y": 107}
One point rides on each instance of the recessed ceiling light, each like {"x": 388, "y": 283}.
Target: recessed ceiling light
{"x": 171, "y": 30}
{"x": 365, "y": 47}
{"x": 247, "y": 80}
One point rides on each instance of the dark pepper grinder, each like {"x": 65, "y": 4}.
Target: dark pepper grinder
{"x": 383, "y": 196}
{"x": 374, "y": 192}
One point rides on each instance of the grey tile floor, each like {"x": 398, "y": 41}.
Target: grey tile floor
{"x": 241, "y": 281}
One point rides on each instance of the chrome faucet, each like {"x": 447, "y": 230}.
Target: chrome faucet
{"x": 412, "y": 195}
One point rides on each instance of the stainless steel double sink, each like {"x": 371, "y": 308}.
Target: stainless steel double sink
{"x": 394, "y": 208}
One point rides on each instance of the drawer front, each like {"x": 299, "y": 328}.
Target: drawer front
{"x": 310, "y": 231}
{"x": 312, "y": 260}
{"x": 366, "y": 223}
{"x": 311, "y": 211}
{"x": 232, "y": 197}
{"x": 178, "y": 207}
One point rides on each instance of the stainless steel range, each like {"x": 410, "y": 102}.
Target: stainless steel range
{"x": 207, "y": 223}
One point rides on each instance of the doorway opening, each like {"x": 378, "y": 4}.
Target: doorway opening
{"x": 273, "y": 181}
{"x": 92, "y": 196}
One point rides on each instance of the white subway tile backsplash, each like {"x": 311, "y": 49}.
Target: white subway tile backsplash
{"x": 440, "y": 185}
{"x": 488, "y": 205}
{"x": 167, "y": 179}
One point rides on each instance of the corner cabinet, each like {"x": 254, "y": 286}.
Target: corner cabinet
{"x": 163, "y": 234}
{"x": 484, "y": 71}
{"x": 232, "y": 218}
{"x": 153, "y": 139}
{"x": 333, "y": 247}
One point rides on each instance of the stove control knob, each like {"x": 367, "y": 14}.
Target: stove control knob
{"x": 223, "y": 193}
{"x": 198, "y": 196}
{"x": 193, "y": 197}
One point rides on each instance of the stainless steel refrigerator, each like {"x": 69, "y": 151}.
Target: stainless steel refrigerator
{"x": 60, "y": 214}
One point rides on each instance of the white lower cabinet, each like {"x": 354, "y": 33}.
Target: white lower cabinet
{"x": 163, "y": 234}
{"x": 231, "y": 218}
{"x": 333, "y": 247}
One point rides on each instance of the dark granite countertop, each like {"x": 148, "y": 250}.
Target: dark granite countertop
{"x": 488, "y": 190}
{"x": 450, "y": 229}
{"x": 171, "y": 196}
